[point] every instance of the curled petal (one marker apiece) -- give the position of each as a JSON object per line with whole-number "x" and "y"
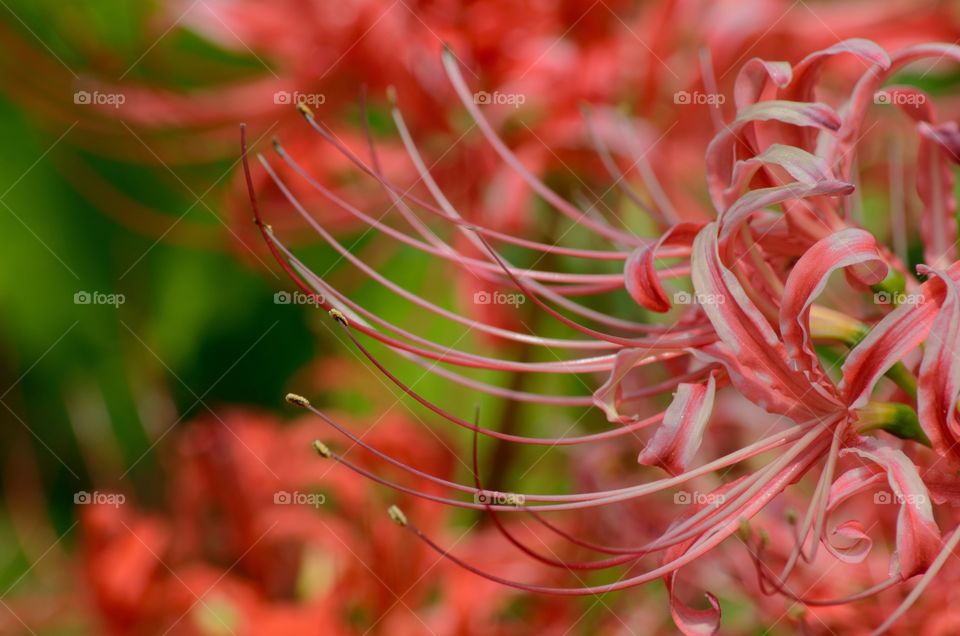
{"x": 808, "y": 70}
{"x": 799, "y": 164}
{"x": 617, "y": 395}
{"x": 939, "y": 381}
{"x": 918, "y": 536}
{"x": 858, "y": 542}
{"x": 720, "y": 152}
{"x": 754, "y": 75}
{"x": 756, "y": 200}
{"x": 690, "y": 621}
{"x": 678, "y": 438}
{"x": 640, "y": 274}
{"x": 809, "y": 276}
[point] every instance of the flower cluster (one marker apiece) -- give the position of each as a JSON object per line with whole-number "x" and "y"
{"x": 849, "y": 399}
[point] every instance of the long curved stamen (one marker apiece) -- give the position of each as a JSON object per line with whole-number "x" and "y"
{"x": 452, "y": 355}
{"x": 487, "y": 231}
{"x": 741, "y": 494}
{"x": 560, "y": 441}
{"x": 449, "y": 254}
{"x": 626, "y": 342}
{"x": 567, "y": 565}
{"x": 706, "y": 543}
{"x": 600, "y": 498}
{"x": 766, "y": 577}
{"x": 670, "y": 343}
{"x": 474, "y": 237}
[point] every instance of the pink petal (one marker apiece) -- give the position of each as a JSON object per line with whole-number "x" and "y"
{"x": 808, "y": 70}
{"x": 690, "y": 621}
{"x": 918, "y": 536}
{"x": 900, "y": 331}
{"x": 720, "y": 152}
{"x": 799, "y": 164}
{"x": 939, "y": 146}
{"x": 756, "y": 200}
{"x": 754, "y": 75}
{"x": 678, "y": 438}
{"x": 640, "y": 273}
{"x": 859, "y": 542}
{"x": 607, "y": 397}
{"x": 808, "y": 278}
{"x": 939, "y": 381}
{"x": 749, "y": 348}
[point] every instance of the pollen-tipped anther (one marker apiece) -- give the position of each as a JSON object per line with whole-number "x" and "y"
{"x": 322, "y": 449}
{"x": 297, "y": 400}
{"x": 337, "y": 315}
{"x": 397, "y": 515}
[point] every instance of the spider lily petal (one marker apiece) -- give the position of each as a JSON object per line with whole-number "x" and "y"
{"x": 939, "y": 380}
{"x": 749, "y": 349}
{"x": 720, "y": 152}
{"x": 846, "y": 249}
{"x": 640, "y": 274}
{"x": 858, "y": 542}
{"x": 935, "y": 185}
{"x": 918, "y": 536}
{"x": 754, "y": 75}
{"x": 678, "y": 438}
{"x": 898, "y": 333}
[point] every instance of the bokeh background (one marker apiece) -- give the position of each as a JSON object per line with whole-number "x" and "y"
{"x": 146, "y": 341}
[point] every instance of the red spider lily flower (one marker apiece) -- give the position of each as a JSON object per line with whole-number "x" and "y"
{"x": 781, "y": 177}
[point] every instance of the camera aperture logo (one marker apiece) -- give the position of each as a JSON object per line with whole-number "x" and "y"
{"x": 698, "y": 98}
{"x": 687, "y": 498}
{"x": 494, "y": 498}
{"x": 298, "y": 298}
{"x": 496, "y": 98}
{"x": 296, "y": 97}
{"x": 98, "y": 98}
{"x": 498, "y": 298}
{"x": 296, "y": 498}
{"x": 98, "y": 298}
{"x": 97, "y": 498}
